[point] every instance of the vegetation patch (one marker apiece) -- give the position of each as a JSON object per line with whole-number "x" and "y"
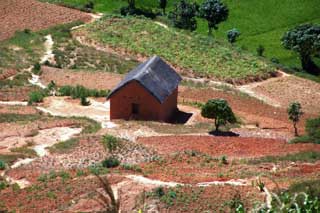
{"x": 202, "y": 55}
{"x": 13, "y": 118}
{"x": 301, "y": 156}
{"x": 64, "y": 146}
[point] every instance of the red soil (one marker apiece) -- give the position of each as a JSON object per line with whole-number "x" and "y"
{"x": 7, "y": 73}
{"x": 31, "y": 14}
{"x": 233, "y": 147}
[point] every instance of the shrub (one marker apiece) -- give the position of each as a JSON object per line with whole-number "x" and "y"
{"x": 36, "y": 97}
{"x": 84, "y": 101}
{"x": 110, "y": 162}
{"x": 183, "y": 15}
{"x": 27, "y": 31}
{"x": 88, "y": 7}
{"x": 295, "y": 112}
{"x": 260, "y": 50}
{"x": 232, "y": 35}
{"x": 36, "y": 68}
{"x": 3, "y": 185}
{"x": 2, "y": 165}
{"x": 159, "y": 192}
{"x": 224, "y": 159}
{"x": 313, "y": 129}
{"x": 127, "y": 10}
{"x": 110, "y": 142}
{"x": 80, "y": 91}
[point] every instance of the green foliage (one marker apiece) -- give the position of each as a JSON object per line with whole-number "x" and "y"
{"x": 163, "y": 5}
{"x": 3, "y": 185}
{"x": 311, "y": 187}
{"x": 260, "y": 50}
{"x": 313, "y": 129}
{"x": 80, "y": 91}
{"x": 2, "y": 165}
{"x": 219, "y": 110}
{"x": 215, "y": 12}
{"x": 43, "y": 178}
{"x": 169, "y": 197}
{"x": 98, "y": 169}
{"x": 232, "y": 35}
{"x": 110, "y": 162}
{"x": 159, "y": 191}
{"x": 36, "y": 96}
{"x": 294, "y": 113}
{"x": 224, "y": 159}
{"x": 183, "y": 15}
{"x": 300, "y": 156}
{"x": 110, "y": 143}
{"x": 84, "y": 101}
{"x": 36, "y": 68}
{"x": 52, "y": 86}
{"x": 64, "y": 146}
{"x": 305, "y": 40}
{"x": 12, "y": 118}
{"x": 132, "y": 167}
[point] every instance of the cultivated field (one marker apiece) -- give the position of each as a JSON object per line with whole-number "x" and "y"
{"x": 54, "y": 148}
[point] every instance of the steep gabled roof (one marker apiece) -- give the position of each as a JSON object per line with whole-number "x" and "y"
{"x": 155, "y": 75}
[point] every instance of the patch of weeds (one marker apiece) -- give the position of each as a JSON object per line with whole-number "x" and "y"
{"x": 15, "y": 187}
{"x": 2, "y": 165}
{"x": 110, "y": 143}
{"x": 80, "y": 173}
{"x": 308, "y": 156}
{"x": 64, "y": 176}
{"x": 37, "y": 96}
{"x": 43, "y": 178}
{"x": 98, "y": 169}
{"x": 13, "y": 118}
{"x": 132, "y": 167}
{"x": 51, "y": 195}
{"x": 10, "y": 159}
{"x": 36, "y": 69}
{"x": 3, "y": 185}
{"x": 311, "y": 187}
{"x": 89, "y": 125}
{"x": 25, "y": 151}
{"x": 224, "y": 160}
{"x": 79, "y": 91}
{"x": 110, "y": 162}
{"x": 64, "y": 146}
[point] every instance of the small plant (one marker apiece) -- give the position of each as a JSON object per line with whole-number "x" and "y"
{"x": 294, "y": 113}
{"x": 110, "y": 162}
{"x": 260, "y": 184}
{"x": 84, "y": 101}
{"x": 27, "y": 31}
{"x": 3, "y": 185}
{"x": 2, "y": 165}
{"x": 232, "y": 35}
{"x": 43, "y": 178}
{"x": 36, "y": 97}
{"x": 98, "y": 169}
{"x": 36, "y": 68}
{"x": 224, "y": 159}
{"x": 260, "y": 50}
{"x": 80, "y": 173}
{"x": 159, "y": 191}
{"x": 110, "y": 142}
{"x": 135, "y": 168}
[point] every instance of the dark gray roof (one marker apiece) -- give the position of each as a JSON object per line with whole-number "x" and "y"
{"x": 155, "y": 75}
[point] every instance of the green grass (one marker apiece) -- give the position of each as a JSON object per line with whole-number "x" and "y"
{"x": 64, "y": 146}
{"x": 21, "y": 51}
{"x": 301, "y": 156}
{"x": 13, "y": 118}
{"x": 206, "y": 57}
{"x": 10, "y": 159}
{"x": 260, "y": 22}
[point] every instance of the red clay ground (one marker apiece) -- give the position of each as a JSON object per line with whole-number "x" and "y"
{"x": 93, "y": 80}
{"x": 251, "y": 110}
{"x": 233, "y": 147}
{"x": 31, "y": 14}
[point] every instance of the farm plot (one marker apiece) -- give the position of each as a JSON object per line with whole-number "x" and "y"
{"x": 31, "y": 14}
{"x": 197, "y": 55}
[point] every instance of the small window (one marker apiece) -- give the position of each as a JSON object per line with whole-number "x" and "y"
{"x": 135, "y": 108}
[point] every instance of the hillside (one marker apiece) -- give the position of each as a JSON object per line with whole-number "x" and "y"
{"x": 193, "y": 54}
{"x": 260, "y": 22}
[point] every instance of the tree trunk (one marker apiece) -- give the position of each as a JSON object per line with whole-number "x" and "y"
{"x": 164, "y": 11}
{"x": 216, "y": 123}
{"x": 295, "y": 129}
{"x": 308, "y": 65}
{"x": 210, "y": 29}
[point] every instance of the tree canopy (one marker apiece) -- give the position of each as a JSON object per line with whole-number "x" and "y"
{"x": 305, "y": 40}
{"x": 219, "y": 110}
{"x": 294, "y": 113}
{"x": 215, "y": 12}
{"x": 183, "y": 15}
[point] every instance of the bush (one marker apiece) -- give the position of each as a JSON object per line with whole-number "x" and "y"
{"x": 183, "y": 15}
{"x": 84, "y": 101}
{"x": 3, "y": 185}
{"x": 88, "y": 7}
{"x": 80, "y": 91}
{"x": 2, "y": 165}
{"x": 125, "y": 11}
{"x": 260, "y": 50}
{"x": 159, "y": 192}
{"x": 36, "y": 68}
{"x": 36, "y": 97}
{"x": 110, "y": 142}
{"x": 110, "y": 162}
{"x": 313, "y": 129}
{"x": 232, "y": 35}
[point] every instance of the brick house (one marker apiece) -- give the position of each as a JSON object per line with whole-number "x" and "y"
{"x": 148, "y": 92}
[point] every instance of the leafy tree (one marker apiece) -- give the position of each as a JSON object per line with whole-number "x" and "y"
{"x": 232, "y": 35}
{"x": 215, "y": 12}
{"x": 183, "y": 15}
{"x": 260, "y": 50}
{"x": 305, "y": 40}
{"x": 219, "y": 110}
{"x": 163, "y": 5}
{"x": 295, "y": 112}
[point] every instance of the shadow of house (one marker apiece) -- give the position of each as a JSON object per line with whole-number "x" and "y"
{"x": 148, "y": 92}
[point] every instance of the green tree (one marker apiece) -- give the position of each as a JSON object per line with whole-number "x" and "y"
{"x": 232, "y": 35}
{"x": 163, "y": 5}
{"x": 294, "y": 113}
{"x": 183, "y": 15}
{"x": 219, "y": 110}
{"x": 215, "y": 12}
{"x": 305, "y": 40}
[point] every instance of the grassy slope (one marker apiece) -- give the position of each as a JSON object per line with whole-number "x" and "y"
{"x": 190, "y": 51}
{"x": 260, "y": 22}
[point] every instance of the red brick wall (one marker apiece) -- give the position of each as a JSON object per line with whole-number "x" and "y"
{"x": 149, "y": 108}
